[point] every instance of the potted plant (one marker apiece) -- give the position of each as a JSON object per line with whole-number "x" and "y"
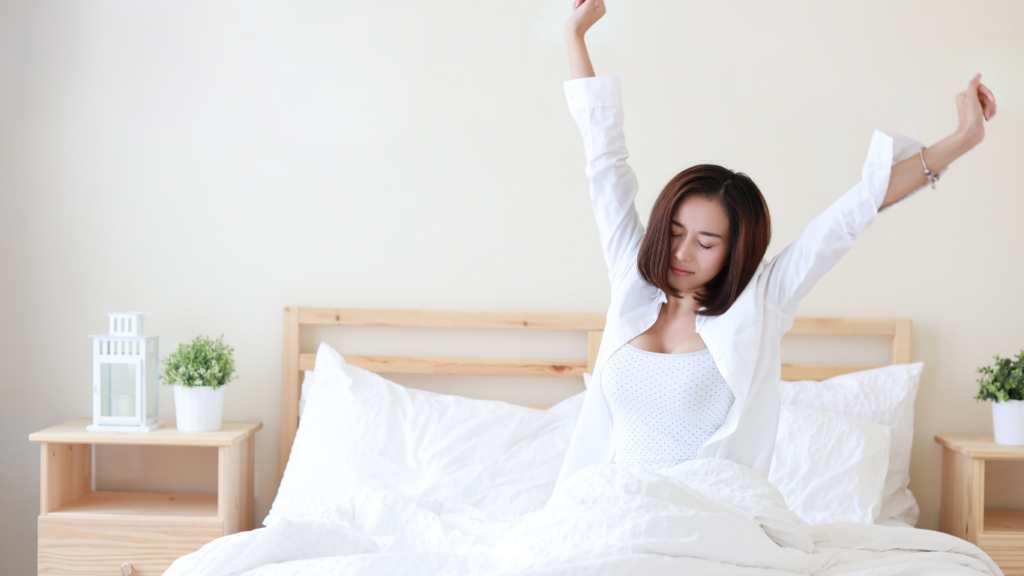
{"x": 198, "y": 371}
{"x": 1003, "y": 382}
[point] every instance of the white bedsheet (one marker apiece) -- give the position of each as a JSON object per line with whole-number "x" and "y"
{"x": 703, "y": 517}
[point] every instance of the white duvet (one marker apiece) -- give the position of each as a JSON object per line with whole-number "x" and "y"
{"x": 701, "y": 517}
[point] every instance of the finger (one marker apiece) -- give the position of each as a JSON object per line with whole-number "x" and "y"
{"x": 988, "y": 108}
{"x": 973, "y": 84}
{"x": 987, "y": 93}
{"x": 987, "y": 101}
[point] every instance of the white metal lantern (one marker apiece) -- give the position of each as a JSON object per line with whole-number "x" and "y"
{"x": 125, "y": 376}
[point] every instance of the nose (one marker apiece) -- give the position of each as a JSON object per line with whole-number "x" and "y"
{"x": 683, "y": 251}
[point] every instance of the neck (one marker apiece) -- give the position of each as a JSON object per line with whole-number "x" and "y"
{"x": 687, "y": 303}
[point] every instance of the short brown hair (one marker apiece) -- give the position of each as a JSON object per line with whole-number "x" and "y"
{"x": 750, "y": 231}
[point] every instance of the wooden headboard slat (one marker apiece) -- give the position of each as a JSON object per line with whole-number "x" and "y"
{"x": 443, "y": 319}
{"x": 294, "y": 361}
{"x": 793, "y": 372}
{"x": 902, "y": 341}
{"x": 525, "y": 367}
{"x": 846, "y": 326}
{"x": 471, "y": 366}
{"x": 593, "y": 347}
{"x": 290, "y": 387}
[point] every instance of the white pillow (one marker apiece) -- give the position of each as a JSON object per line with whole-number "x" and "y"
{"x": 884, "y": 396}
{"x": 360, "y": 433}
{"x": 307, "y": 383}
{"x": 830, "y": 468}
{"x": 570, "y": 407}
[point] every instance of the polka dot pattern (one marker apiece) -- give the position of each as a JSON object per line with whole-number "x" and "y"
{"x": 664, "y": 406}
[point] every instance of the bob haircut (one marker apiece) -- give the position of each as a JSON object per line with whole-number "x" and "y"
{"x": 750, "y": 231}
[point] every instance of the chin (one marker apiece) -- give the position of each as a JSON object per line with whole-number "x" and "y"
{"x": 685, "y": 286}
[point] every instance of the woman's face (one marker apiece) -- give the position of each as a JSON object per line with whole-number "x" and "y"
{"x": 700, "y": 243}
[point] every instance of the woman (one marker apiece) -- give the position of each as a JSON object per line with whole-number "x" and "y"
{"x": 689, "y": 365}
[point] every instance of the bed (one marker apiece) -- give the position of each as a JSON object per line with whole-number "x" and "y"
{"x": 378, "y": 478}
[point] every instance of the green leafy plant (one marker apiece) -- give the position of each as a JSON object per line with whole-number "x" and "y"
{"x": 201, "y": 362}
{"x": 1002, "y": 381}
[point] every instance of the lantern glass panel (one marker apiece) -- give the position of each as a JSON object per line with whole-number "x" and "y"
{"x": 151, "y": 391}
{"x": 117, "y": 389}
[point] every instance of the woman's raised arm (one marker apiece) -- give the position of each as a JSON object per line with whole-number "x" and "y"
{"x": 974, "y": 105}
{"x": 596, "y": 105}
{"x": 584, "y": 14}
{"x": 892, "y": 172}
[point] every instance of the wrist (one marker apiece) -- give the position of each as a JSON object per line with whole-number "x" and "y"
{"x": 966, "y": 138}
{"x": 574, "y": 35}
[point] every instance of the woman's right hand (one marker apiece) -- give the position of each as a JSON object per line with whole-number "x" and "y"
{"x": 584, "y": 14}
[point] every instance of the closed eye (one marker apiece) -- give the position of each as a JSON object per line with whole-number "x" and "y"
{"x": 698, "y": 242}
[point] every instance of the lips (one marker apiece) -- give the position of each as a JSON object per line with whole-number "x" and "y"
{"x": 678, "y": 271}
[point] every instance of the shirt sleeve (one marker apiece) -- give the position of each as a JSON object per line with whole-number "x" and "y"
{"x": 794, "y": 271}
{"x": 596, "y": 105}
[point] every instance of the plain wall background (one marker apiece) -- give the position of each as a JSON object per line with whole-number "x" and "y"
{"x": 212, "y": 162}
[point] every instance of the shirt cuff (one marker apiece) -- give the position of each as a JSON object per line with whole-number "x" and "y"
{"x": 886, "y": 150}
{"x": 593, "y": 92}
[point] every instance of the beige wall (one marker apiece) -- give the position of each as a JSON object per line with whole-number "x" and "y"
{"x": 212, "y": 162}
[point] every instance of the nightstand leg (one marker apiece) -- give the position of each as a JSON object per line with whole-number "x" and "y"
{"x": 249, "y": 484}
{"x": 235, "y": 485}
{"x": 66, "y": 474}
{"x": 963, "y": 495}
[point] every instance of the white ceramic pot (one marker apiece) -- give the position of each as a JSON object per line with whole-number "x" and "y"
{"x": 198, "y": 408}
{"x": 1008, "y": 421}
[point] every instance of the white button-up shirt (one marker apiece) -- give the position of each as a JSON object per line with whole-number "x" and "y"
{"x": 745, "y": 340}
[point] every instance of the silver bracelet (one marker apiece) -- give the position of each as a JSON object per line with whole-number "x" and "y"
{"x": 931, "y": 176}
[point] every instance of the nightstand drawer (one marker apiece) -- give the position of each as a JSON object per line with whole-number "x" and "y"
{"x": 76, "y": 545}
{"x": 1007, "y": 550}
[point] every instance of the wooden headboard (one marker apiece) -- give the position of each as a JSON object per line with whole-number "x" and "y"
{"x": 295, "y": 361}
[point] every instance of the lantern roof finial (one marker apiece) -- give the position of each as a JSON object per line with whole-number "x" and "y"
{"x": 126, "y": 323}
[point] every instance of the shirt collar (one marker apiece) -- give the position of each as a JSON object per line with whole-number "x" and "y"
{"x": 655, "y": 293}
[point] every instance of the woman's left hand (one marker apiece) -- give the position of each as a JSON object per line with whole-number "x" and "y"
{"x": 974, "y": 106}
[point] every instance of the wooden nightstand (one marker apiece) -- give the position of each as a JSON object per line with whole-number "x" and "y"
{"x": 87, "y": 532}
{"x": 1000, "y": 533}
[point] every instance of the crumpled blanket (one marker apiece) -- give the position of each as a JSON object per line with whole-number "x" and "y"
{"x": 701, "y": 517}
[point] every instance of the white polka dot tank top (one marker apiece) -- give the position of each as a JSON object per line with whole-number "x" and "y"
{"x": 664, "y": 406}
